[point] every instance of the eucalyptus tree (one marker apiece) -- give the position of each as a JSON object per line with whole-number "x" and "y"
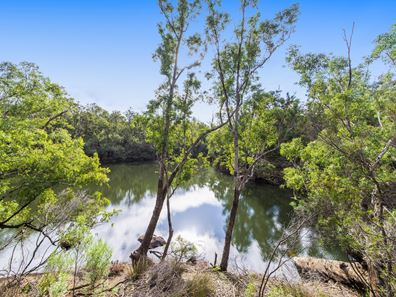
{"x": 346, "y": 176}
{"x": 171, "y": 129}
{"x": 236, "y": 66}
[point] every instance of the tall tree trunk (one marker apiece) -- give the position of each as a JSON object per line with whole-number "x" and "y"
{"x": 235, "y": 201}
{"x": 148, "y": 235}
{"x": 163, "y": 183}
{"x": 230, "y": 228}
{"x": 237, "y": 192}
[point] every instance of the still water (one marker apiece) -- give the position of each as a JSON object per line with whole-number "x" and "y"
{"x": 199, "y": 214}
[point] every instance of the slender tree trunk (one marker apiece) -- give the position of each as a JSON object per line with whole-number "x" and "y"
{"x": 170, "y": 227}
{"x": 237, "y": 191}
{"x": 235, "y": 201}
{"x": 387, "y": 263}
{"x": 163, "y": 183}
{"x": 159, "y": 202}
{"x": 230, "y": 228}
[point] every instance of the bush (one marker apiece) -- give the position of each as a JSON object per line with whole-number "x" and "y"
{"x": 98, "y": 261}
{"x": 183, "y": 250}
{"x": 250, "y": 290}
{"x": 55, "y": 282}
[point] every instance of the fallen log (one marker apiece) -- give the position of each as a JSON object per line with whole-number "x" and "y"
{"x": 349, "y": 274}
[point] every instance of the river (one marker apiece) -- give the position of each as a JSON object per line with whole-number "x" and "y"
{"x": 199, "y": 215}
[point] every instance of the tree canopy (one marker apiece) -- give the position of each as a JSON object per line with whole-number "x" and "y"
{"x": 43, "y": 170}
{"x": 346, "y": 176}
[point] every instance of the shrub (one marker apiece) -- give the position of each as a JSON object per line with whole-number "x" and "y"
{"x": 55, "y": 282}
{"x": 250, "y": 290}
{"x": 183, "y": 250}
{"x": 98, "y": 261}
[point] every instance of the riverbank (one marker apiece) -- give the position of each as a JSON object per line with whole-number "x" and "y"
{"x": 177, "y": 279}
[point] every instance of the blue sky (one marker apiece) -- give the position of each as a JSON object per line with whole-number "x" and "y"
{"x": 101, "y": 51}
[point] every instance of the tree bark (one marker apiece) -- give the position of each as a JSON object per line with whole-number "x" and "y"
{"x": 163, "y": 182}
{"x": 230, "y": 228}
{"x": 148, "y": 235}
{"x": 237, "y": 191}
{"x": 170, "y": 227}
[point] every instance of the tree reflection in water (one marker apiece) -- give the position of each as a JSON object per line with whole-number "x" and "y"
{"x": 199, "y": 212}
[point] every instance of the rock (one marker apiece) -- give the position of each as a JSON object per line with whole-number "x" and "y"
{"x": 337, "y": 271}
{"x": 193, "y": 260}
{"x": 156, "y": 241}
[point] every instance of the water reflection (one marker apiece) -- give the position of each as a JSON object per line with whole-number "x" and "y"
{"x": 199, "y": 213}
{"x": 131, "y": 183}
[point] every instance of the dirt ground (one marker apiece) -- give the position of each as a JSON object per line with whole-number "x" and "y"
{"x": 180, "y": 279}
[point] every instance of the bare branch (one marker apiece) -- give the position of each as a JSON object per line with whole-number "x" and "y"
{"x": 54, "y": 117}
{"x": 348, "y": 42}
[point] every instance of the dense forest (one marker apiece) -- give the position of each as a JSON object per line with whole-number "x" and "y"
{"x": 335, "y": 149}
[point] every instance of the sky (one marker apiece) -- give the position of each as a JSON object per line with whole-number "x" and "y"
{"x": 101, "y": 50}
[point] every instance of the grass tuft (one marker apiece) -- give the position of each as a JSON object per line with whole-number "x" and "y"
{"x": 199, "y": 286}
{"x": 293, "y": 290}
{"x": 139, "y": 268}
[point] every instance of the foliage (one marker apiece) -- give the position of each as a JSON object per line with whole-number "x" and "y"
{"x": 250, "y": 290}
{"x": 172, "y": 131}
{"x": 386, "y": 47}
{"x": 43, "y": 169}
{"x": 90, "y": 257}
{"x": 114, "y": 136}
{"x": 251, "y": 132}
{"x": 345, "y": 176}
{"x": 265, "y": 120}
{"x": 98, "y": 261}
{"x": 55, "y": 281}
{"x": 86, "y": 258}
{"x": 182, "y": 133}
{"x": 182, "y": 249}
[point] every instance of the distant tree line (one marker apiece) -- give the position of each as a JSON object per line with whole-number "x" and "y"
{"x": 122, "y": 137}
{"x": 114, "y": 136}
